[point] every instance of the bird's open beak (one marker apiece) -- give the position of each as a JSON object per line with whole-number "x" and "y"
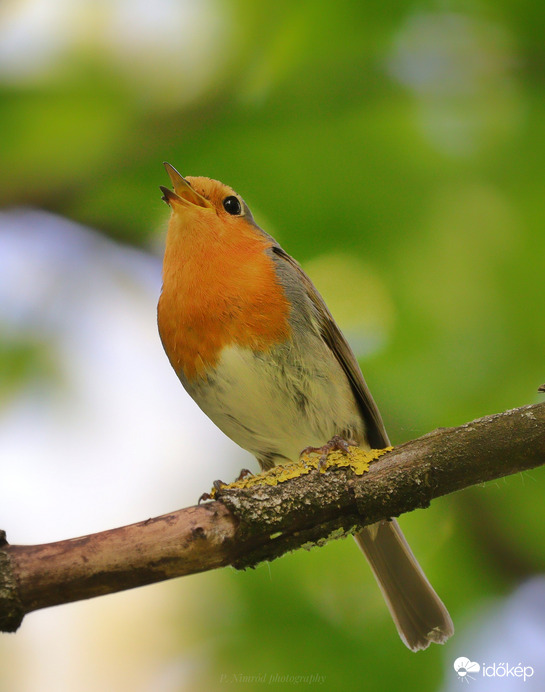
{"x": 183, "y": 193}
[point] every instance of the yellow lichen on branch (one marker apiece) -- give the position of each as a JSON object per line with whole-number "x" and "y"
{"x": 357, "y": 459}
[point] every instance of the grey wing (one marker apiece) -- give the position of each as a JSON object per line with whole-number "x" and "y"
{"x": 333, "y": 337}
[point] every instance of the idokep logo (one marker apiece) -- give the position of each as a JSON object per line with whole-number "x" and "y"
{"x": 468, "y": 670}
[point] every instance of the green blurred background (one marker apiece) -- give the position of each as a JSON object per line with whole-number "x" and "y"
{"x": 396, "y": 150}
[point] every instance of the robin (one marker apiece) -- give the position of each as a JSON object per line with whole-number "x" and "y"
{"x": 255, "y": 346}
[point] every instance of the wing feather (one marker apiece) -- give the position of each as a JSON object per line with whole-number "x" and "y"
{"x": 334, "y": 338}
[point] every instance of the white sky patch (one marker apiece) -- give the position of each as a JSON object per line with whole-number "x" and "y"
{"x": 33, "y": 35}
{"x": 169, "y": 48}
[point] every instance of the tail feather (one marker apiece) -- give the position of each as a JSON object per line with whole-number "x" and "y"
{"x": 418, "y": 612}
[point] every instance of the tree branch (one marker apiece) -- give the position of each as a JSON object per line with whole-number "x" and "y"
{"x": 262, "y": 522}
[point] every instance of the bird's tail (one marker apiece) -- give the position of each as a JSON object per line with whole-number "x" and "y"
{"x": 418, "y": 612}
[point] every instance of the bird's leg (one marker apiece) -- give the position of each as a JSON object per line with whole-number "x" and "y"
{"x": 243, "y": 474}
{"x": 336, "y": 443}
{"x": 218, "y": 485}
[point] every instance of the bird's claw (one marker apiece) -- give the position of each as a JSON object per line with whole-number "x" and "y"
{"x": 244, "y": 473}
{"x": 218, "y": 485}
{"x": 336, "y": 443}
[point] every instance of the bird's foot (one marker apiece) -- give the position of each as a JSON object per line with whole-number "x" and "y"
{"x": 336, "y": 443}
{"x": 218, "y": 485}
{"x": 244, "y": 473}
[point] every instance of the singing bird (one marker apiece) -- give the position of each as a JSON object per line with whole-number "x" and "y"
{"x": 255, "y": 346}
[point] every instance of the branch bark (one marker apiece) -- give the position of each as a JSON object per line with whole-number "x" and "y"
{"x": 262, "y": 522}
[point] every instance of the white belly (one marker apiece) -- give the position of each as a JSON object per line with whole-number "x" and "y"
{"x": 274, "y": 405}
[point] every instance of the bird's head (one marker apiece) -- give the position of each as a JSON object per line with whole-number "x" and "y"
{"x": 205, "y": 207}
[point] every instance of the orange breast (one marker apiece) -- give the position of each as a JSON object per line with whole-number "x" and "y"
{"x": 217, "y": 292}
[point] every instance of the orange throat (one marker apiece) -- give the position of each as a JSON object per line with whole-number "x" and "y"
{"x": 218, "y": 292}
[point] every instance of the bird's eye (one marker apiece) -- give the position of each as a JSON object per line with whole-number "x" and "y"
{"x": 232, "y": 206}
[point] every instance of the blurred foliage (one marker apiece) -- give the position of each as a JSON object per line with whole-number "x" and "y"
{"x": 23, "y": 362}
{"x": 403, "y": 139}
